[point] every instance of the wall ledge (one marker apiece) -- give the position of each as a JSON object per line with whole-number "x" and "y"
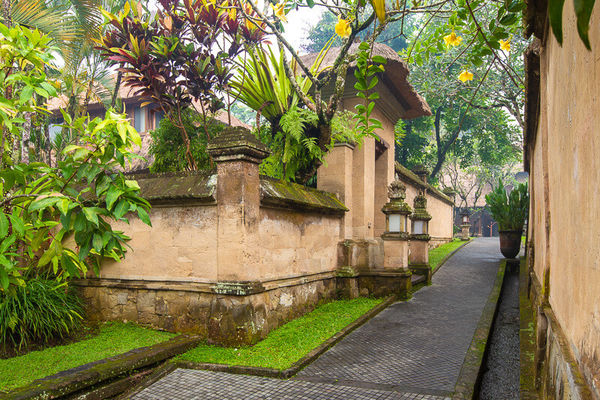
{"x": 275, "y": 193}
{"x": 176, "y": 188}
{"x": 406, "y": 174}
{"x": 231, "y": 288}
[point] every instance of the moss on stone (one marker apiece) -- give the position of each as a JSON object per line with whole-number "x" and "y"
{"x": 181, "y": 186}
{"x": 279, "y": 193}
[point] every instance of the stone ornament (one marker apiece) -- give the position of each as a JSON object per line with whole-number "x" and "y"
{"x": 396, "y": 191}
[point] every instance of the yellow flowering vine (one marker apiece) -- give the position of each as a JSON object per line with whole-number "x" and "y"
{"x": 452, "y": 39}
{"x": 505, "y": 45}
{"x": 342, "y": 28}
{"x": 465, "y": 75}
{"x": 279, "y": 11}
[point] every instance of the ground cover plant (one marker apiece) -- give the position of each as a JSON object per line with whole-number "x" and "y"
{"x": 436, "y": 256}
{"x": 290, "y": 342}
{"x": 38, "y": 310}
{"x": 113, "y": 338}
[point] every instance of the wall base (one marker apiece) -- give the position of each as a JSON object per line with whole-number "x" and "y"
{"x": 557, "y": 374}
{"x": 423, "y": 270}
{"x": 228, "y": 314}
{"x": 225, "y": 319}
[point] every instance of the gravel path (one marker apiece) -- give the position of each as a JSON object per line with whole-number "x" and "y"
{"x": 501, "y": 380}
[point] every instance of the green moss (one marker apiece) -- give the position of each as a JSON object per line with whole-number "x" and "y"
{"x": 113, "y": 339}
{"x": 437, "y": 255}
{"x": 278, "y": 192}
{"x": 290, "y": 342}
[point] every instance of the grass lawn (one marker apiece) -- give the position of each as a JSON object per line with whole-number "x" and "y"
{"x": 290, "y": 342}
{"x": 113, "y": 338}
{"x": 437, "y": 255}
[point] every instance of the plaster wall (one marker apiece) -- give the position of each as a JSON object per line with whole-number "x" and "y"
{"x": 180, "y": 245}
{"x": 565, "y": 170}
{"x": 441, "y": 228}
{"x": 440, "y": 225}
{"x": 296, "y": 244}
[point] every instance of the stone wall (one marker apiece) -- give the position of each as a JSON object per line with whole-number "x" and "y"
{"x": 562, "y": 148}
{"x": 232, "y": 255}
{"x": 208, "y": 310}
{"x": 439, "y": 206}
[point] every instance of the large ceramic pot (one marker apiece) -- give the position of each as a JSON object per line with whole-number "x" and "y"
{"x": 510, "y": 243}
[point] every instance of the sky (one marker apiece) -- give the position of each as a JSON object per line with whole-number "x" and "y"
{"x": 299, "y": 22}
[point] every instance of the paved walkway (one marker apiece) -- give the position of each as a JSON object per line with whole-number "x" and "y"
{"x": 411, "y": 350}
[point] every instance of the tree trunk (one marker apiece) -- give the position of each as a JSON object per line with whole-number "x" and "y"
{"x": 113, "y": 101}
{"x": 48, "y": 143}
{"x": 26, "y": 138}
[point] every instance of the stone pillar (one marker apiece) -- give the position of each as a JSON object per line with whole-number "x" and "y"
{"x": 363, "y": 190}
{"x": 465, "y": 226}
{"x": 237, "y": 153}
{"x": 419, "y": 238}
{"x": 395, "y": 239}
{"x": 421, "y": 171}
{"x": 335, "y": 176}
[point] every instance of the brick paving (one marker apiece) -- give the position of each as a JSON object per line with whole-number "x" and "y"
{"x": 411, "y": 350}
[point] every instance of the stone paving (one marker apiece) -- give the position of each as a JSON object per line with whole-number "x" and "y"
{"x": 411, "y": 350}
{"x": 208, "y": 385}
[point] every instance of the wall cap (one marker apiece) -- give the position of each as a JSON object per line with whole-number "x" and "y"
{"x": 407, "y": 174}
{"x": 280, "y": 194}
{"x": 176, "y": 187}
{"x": 237, "y": 143}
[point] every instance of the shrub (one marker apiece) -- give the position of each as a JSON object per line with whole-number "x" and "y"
{"x": 168, "y": 147}
{"x": 38, "y": 311}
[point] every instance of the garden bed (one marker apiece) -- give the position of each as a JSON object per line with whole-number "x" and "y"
{"x": 287, "y": 345}
{"x": 112, "y": 339}
{"x": 438, "y": 255}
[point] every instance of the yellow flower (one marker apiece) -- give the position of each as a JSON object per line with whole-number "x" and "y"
{"x": 342, "y": 28}
{"x": 279, "y": 11}
{"x": 505, "y": 45}
{"x": 465, "y": 76}
{"x": 452, "y": 39}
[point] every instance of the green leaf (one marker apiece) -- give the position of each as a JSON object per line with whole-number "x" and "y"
{"x": 310, "y": 3}
{"x": 143, "y": 215}
{"x": 97, "y": 242}
{"x": 379, "y": 60}
{"x": 90, "y": 215}
{"x": 121, "y": 209}
{"x": 4, "y": 281}
{"x": 112, "y": 196}
{"x": 555, "y": 12}
{"x": 4, "y": 225}
{"x": 46, "y": 257}
{"x": 44, "y": 202}
{"x": 18, "y": 225}
{"x": 80, "y": 222}
{"x": 583, "y": 11}
{"x": 509, "y": 19}
{"x": 26, "y": 94}
{"x": 69, "y": 265}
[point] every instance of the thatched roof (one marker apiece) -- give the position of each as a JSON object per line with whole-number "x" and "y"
{"x": 395, "y": 77}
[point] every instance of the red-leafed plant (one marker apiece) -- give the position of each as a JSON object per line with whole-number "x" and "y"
{"x": 182, "y": 56}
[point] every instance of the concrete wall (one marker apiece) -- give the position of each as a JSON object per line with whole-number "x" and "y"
{"x": 564, "y": 166}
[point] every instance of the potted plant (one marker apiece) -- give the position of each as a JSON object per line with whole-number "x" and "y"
{"x": 509, "y": 210}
